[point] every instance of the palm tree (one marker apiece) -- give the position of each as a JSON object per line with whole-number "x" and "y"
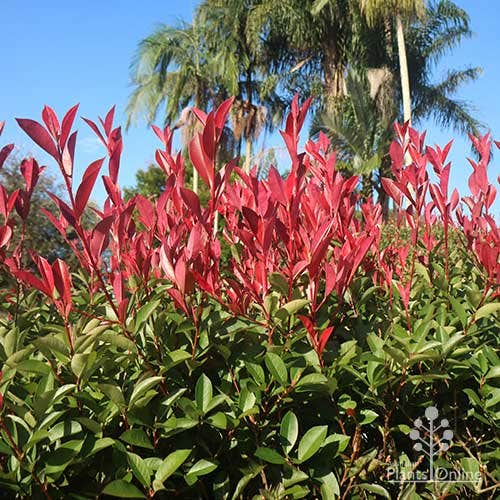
{"x": 360, "y": 128}
{"x": 443, "y": 28}
{"x": 228, "y": 26}
{"x": 308, "y": 51}
{"x": 375, "y": 10}
{"x": 172, "y": 69}
{"x": 431, "y": 36}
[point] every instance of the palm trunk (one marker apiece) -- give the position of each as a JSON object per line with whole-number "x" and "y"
{"x": 403, "y": 69}
{"x": 248, "y": 155}
{"x": 366, "y": 187}
{"x": 335, "y": 85}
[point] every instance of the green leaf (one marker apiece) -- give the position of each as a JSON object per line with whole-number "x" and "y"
{"x": 292, "y": 475}
{"x": 78, "y": 364}
{"x": 368, "y": 417}
{"x": 277, "y": 368}
{"x": 396, "y": 354}
{"x": 291, "y": 308}
{"x": 253, "y": 470}
{"x": 472, "y": 468}
{"x": 311, "y": 442}
{"x": 118, "y": 340}
{"x": 33, "y": 366}
{"x": 142, "y": 387}
{"x": 121, "y": 489}
{"x": 289, "y": 431}
{"x": 422, "y": 270}
{"x": 246, "y": 400}
{"x": 279, "y": 282}
{"x": 312, "y": 382}
{"x": 202, "y": 468}
{"x": 64, "y": 429}
{"x": 269, "y": 455}
{"x": 329, "y": 487}
{"x": 375, "y": 488}
{"x": 256, "y": 371}
{"x": 487, "y": 310}
{"x": 494, "y": 372}
{"x": 203, "y": 392}
{"x": 137, "y": 437}
{"x": 144, "y": 313}
{"x": 340, "y": 439}
{"x": 99, "y": 445}
{"x": 114, "y": 393}
{"x": 140, "y": 469}
{"x": 176, "y": 357}
{"x": 58, "y": 460}
{"x": 170, "y": 465}
{"x": 218, "y": 420}
{"x": 51, "y": 343}
{"x": 216, "y": 401}
{"x": 459, "y": 310}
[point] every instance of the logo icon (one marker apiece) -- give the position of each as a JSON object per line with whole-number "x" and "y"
{"x": 428, "y": 437}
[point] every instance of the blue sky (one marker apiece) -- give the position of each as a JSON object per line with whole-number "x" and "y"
{"x": 59, "y": 53}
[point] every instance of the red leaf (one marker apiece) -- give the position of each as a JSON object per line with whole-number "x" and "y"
{"x": 5, "y": 152}
{"x": 116, "y": 145}
{"x": 159, "y": 132}
{"x": 196, "y": 242}
{"x": 178, "y": 299}
{"x": 146, "y": 211}
{"x": 122, "y": 310}
{"x": 67, "y": 123}
{"x": 100, "y": 237}
{"x": 51, "y": 121}
{"x": 180, "y": 274}
{"x": 2, "y": 124}
{"x": 201, "y": 115}
{"x": 309, "y": 326}
{"x": 62, "y": 282}
{"x": 221, "y": 114}
{"x": 32, "y": 280}
{"x": 96, "y": 130}
{"x": 66, "y": 211}
{"x": 47, "y": 275}
{"x": 108, "y": 122}
{"x": 275, "y": 182}
{"x": 192, "y": 201}
{"x": 68, "y": 155}
{"x": 392, "y": 189}
{"x": 437, "y": 197}
{"x": 39, "y": 135}
{"x": 200, "y": 160}
{"x": 323, "y": 339}
{"x": 5, "y": 235}
{"x": 85, "y": 188}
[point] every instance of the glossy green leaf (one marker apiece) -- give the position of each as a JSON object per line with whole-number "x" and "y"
{"x": 122, "y": 489}
{"x": 203, "y": 392}
{"x": 171, "y": 464}
{"x": 289, "y": 431}
{"x": 311, "y": 442}
{"x": 141, "y": 387}
{"x": 269, "y": 455}
{"x": 277, "y": 368}
{"x": 144, "y": 313}
{"x": 137, "y": 437}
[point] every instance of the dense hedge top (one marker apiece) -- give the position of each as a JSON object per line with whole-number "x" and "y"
{"x": 277, "y": 342}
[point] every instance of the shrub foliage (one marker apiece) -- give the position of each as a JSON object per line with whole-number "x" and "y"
{"x": 294, "y": 367}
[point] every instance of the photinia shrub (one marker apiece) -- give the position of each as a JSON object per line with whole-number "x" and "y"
{"x": 293, "y": 368}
